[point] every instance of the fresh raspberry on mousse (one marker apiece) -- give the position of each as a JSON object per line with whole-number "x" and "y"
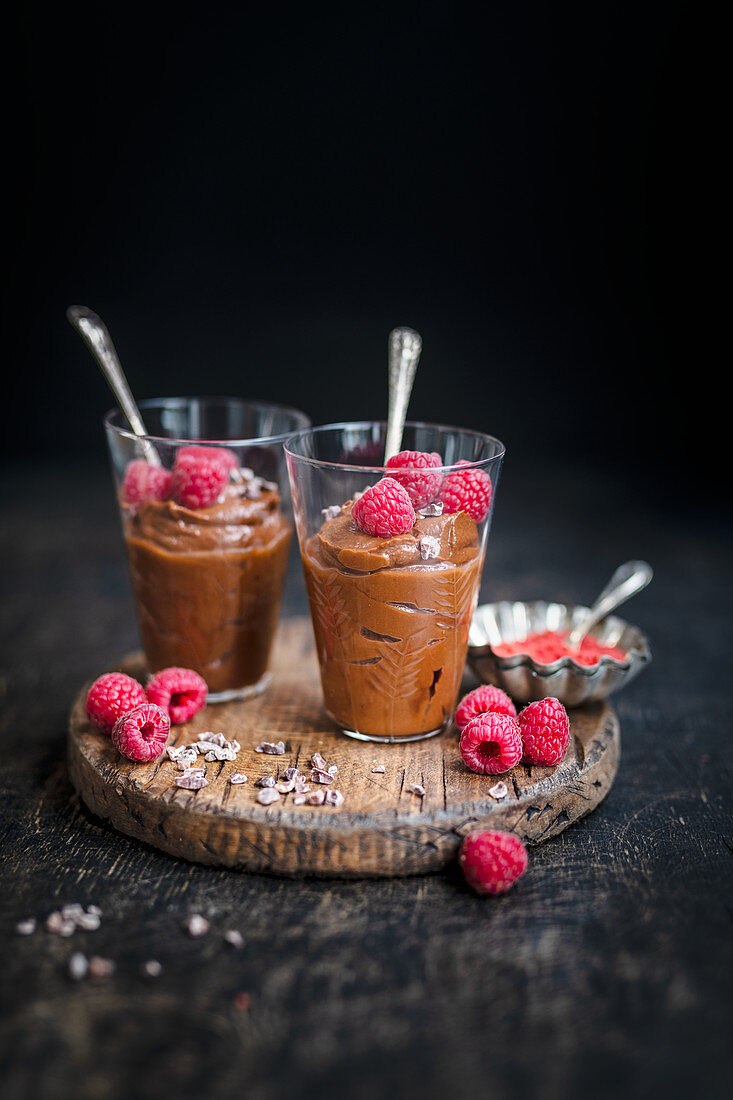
{"x": 492, "y": 861}
{"x": 142, "y": 733}
{"x": 415, "y": 471}
{"x": 199, "y": 475}
{"x": 467, "y": 491}
{"x": 111, "y": 696}
{"x": 491, "y": 744}
{"x": 545, "y": 730}
{"x": 179, "y": 691}
{"x": 385, "y": 509}
{"x": 482, "y": 699}
{"x": 143, "y": 481}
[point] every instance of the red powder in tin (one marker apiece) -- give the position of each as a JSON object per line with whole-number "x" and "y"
{"x": 549, "y": 645}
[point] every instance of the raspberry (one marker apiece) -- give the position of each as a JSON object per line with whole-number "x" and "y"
{"x": 545, "y": 731}
{"x": 385, "y": 510}
{"x": 143, "y": 482}
{"x": 141, "y": 734}
{"x": 414, "y": 471}
{"x": 199, "y": 475}
{"x": 466, "y": 491}
{"x": 492, "y": 862}
{"x": 483, "y": 699}
{"x": 179, "y": 691}
{"x": 491, "y": 744}
{"x": 111, "y": 696}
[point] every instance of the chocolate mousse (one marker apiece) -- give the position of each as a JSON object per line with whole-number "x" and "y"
{"x": 208, "y": 581}
{"x": 391, "y": 619}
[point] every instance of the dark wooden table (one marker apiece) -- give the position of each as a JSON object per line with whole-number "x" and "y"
{"x": 606, "y": 972}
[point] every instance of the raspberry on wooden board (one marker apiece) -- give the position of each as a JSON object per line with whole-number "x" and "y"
{"x": 491, "y": 744}
{"x": 111, "y": 696}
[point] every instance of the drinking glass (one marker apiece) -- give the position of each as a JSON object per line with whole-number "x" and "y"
{"x": 391, "y": 615}
{"x": 207, "y": 523}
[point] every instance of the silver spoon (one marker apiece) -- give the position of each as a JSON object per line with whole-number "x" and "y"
{"x": 94, "y": 332}
{"x": 628, "y": 579}
{"x": 405, "y": 346}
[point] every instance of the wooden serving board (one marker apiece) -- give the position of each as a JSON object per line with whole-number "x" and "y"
{"x": 380, "y": 830}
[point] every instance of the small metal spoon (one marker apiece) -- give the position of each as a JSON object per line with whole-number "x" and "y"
{"x": 95, "y": 335}
{"x": 405, "y": 346}
{"x": 628, "y": 579}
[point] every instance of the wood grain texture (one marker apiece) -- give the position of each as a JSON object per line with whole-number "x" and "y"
{"x": 382, "y": 829}
{"x": 604, "y": 973}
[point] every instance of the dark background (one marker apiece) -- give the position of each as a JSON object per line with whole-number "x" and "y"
{"x": 253, "y": 196}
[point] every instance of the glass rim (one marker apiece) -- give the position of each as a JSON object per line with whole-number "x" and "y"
{"x": 363, "y": 424}
{"x": 157, "y": 402}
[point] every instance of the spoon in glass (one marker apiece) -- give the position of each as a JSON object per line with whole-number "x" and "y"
{"x": 405, "y": 346}
{"x": 95, "y": 335}
{"x": 628, "y": 579}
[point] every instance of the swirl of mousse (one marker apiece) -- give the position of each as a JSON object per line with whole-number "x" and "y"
{"x": 236, "y": 520}
{"x": 208, "y": 581}
{"x": 391, "y": 618}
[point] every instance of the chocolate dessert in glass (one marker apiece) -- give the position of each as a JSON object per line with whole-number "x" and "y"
{"x": 207, "y": 524}
{"x": 392, "y": 557}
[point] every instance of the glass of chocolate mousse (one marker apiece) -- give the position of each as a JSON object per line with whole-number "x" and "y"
{"x": 392, "y": 556}
{"x": 207, "y": 523}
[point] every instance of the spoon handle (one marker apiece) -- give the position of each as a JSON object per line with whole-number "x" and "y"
{"x": 405, "y": 346}
{"x": 628, "y": 579}
{"x": 94, "y": 333}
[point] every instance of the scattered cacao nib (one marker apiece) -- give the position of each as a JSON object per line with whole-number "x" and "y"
{"x": 238, "y": 778}
{"x": 26, "y": 927}
{"x": 267, "y": 796}
{"x": 208, "y": 746}
{"x": 191, "y": 781}
{"x": 378, "y": 769}
{"x": 429, "y": 547}
{"x": 175, "y": 751}
{"x": 272, "y": 749}
{"x": 301, "y": 784}
{"x": 415, "y": 788}
{"x": 87, "y": 922}
{"x": 196, "y": 925}
{"x": 334, "y": 798}
{"x": 319, "y": 776}
{"x": 64, "y": 922}
{"x": 152, "y": 968}
{"x": 213, "y": 738}
{"x": 78, "y": 966}
{"x": 234, "y": 938}
{"x": 316, "y": 798}
{"x": 285, "y": 786}
{"x": 499, "y": 790}
{"x": 317, "y": 761}
{"x": 431, "y": 510}
{"x": 100, "y": 968}
{"x": 186, "y": 758}
{"x": 55, "y": 923}
{"x": 299, "y": 798}
{"x": 333, "y": 770}
{"x": 265, "y": 781}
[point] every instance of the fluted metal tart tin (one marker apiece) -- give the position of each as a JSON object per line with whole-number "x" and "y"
{"x": 526, "y": 679}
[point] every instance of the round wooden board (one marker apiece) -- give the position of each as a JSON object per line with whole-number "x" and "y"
{"x": 380, "y": 830}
